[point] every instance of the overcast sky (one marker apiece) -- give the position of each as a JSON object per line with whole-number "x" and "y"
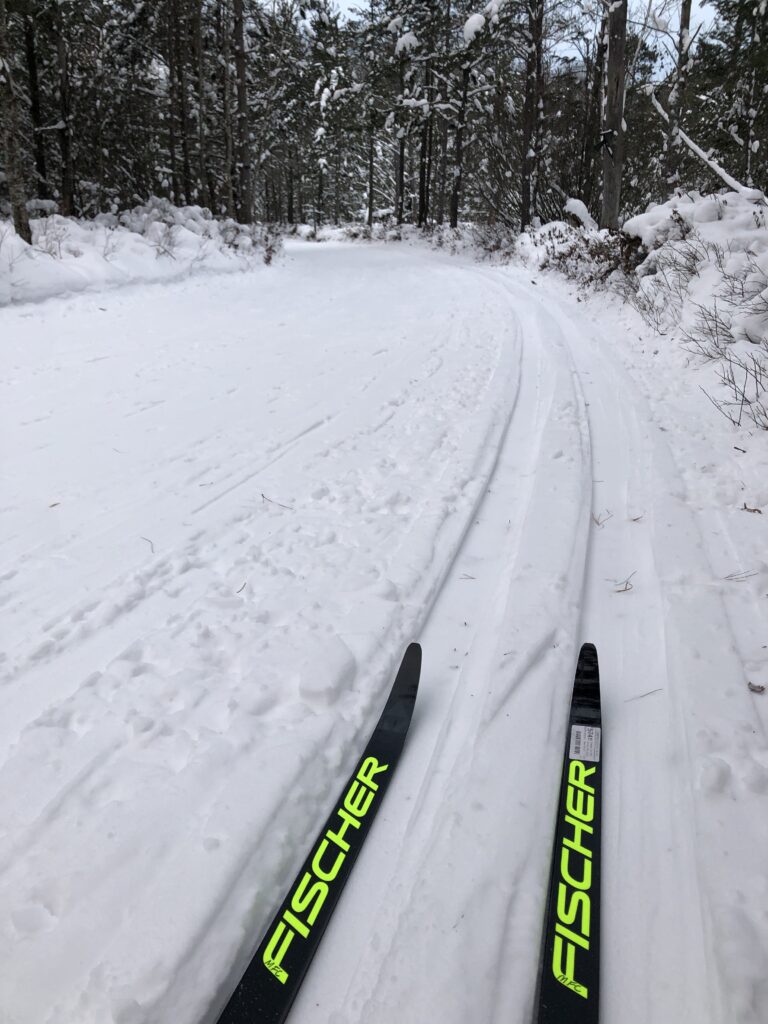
{"x": 700, "y": 12}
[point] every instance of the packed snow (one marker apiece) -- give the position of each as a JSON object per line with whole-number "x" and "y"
{"x": 228, "y": 504}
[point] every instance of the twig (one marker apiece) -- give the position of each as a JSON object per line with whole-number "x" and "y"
{"x": 279, "y": 505}
{"x": 641, "y": 695}
{"x": 745, "y": 508}
{"x": 740, "y": 575}
{"x": 242, "y": 588}
{"x": 624, "y": 586}
{"x": 602, "y": 518}
{"x": 151, "y": 545}
{"x": 756, "y": 687}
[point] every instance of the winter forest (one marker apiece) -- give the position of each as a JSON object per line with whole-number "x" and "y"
{"x": 426, "y": 112}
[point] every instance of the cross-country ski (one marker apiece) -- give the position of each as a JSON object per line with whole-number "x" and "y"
{"x": 569, "y": 972}
{"x": 270, "y": 983}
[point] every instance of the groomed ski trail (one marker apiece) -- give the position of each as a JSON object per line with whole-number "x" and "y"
{"x": 446, "y": 908}
{"x": 462, "y": 450}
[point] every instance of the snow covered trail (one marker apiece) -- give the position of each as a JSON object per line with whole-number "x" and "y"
{"x": 227, "y": 505}
{"x": 443, "y": 914}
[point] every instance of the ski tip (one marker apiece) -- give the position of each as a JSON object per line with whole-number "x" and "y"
{"x": 410, "y": 666}
{"x": 397, "y": 712}
{"x": 586, "y": 686}
{"x": 587, "y": 664}
{"x": 413, "y": 651}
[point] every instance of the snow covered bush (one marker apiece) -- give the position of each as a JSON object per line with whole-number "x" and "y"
{"x": 704, "y": 277}
{"x": 586, "y": 255}
{"x": 695, "y": 267}
{"x": 152, "y": 242}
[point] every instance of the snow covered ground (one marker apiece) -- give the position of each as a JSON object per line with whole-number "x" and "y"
{"x": 229, "y": 502}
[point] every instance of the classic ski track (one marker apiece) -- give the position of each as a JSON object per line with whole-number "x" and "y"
{"x": 661, "y": 923}
{"x": 659, "y": 750}
{"x": 422, "y": 602}
{"x": 618, "y": 447}
{"x": 493, "y": 710}
{"x": 467, "y": 704}
{"x": 90, "y": 769}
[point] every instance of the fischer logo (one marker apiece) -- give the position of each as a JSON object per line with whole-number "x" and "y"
{"x": 573, "y": 903}
{"x": 313, "y": 887}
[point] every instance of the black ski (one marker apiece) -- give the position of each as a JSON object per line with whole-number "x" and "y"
{"x": 271, "y": 981}
{"x": 569, "y": 973}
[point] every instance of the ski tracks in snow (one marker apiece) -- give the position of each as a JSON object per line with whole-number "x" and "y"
{"x": 459, "y": 459}
{"x": 585, "y": 533}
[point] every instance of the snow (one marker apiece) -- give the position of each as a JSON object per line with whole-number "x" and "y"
{"x": 474, "y": 24}
{"x": 406, "y": 43}
{"x": 154, "y": 242}
{"x": 732, "y": 217}
{"x": 228, "y": 506}
{"x": 707, "y": 270}
{"x": 578, "y": 209}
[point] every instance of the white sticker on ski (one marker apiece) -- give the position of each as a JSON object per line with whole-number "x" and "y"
{"x": 585, "y": 743}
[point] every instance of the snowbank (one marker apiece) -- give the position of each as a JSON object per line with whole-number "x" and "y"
{"x": 705, "y": 278}
{"x": 153, "y": 242}
{"x": 696, "y": 267}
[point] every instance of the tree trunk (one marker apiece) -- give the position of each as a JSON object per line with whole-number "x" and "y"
{"x": 613, "y": 119}
{"x": 531, "y": 112}
{"x": 424, "y": 155}
{"x": 320, "y": 198}
{"x": 400, "y": 169}
{"x": 592, "y": 124}
{"x": 400, "y": 193}
{"x": 173, "y": 106}
{"x": 67, "y": 204}
{"x": 229, "y": 146}
{"x": 677, "y": 95}
{"x": 458, "y": 169}
{"x": 442, "y": 174}
{"x": 10, "y": 135}
{"x": 336, "y": 184}
{"x": 180, "y": 40}
{"x": 30, "y": 45}
{"x": 206, "y": 178}
{"x": 422, "y": 213}
{"x": 428, "y": 195}
{"x": 244, "y": 192}
{"x": 371, "y": 153}
{"x": 291, "y": 214}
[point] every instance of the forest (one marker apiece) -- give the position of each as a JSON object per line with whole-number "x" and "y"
{"x": 427, "y": 112}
